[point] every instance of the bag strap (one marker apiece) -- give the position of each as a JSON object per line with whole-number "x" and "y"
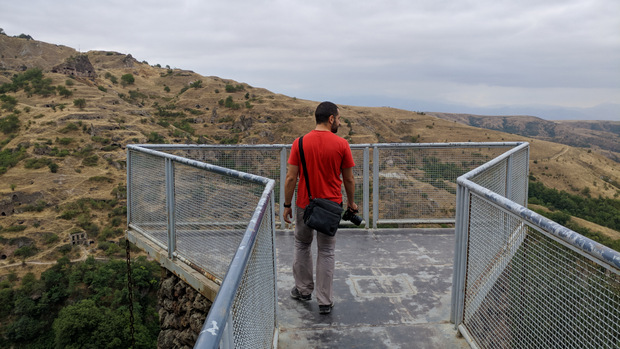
{"x": 303, "y": 163}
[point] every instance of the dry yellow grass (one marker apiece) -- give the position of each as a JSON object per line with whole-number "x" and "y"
{"x": 273, "y": 118}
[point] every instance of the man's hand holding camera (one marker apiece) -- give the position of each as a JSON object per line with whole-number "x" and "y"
{"x": 350, "y": 214}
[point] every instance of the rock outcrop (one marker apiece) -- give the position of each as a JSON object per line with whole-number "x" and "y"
{"x": 182, "y": 312}
{"x": 78, "y": 66}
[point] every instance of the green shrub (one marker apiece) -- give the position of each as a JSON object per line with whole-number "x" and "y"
{"x": 155, "y": 137}
{"x": 101, "y": 140}
{"x": 14, "y": 228}
{"x": 69, "y": 214}
{"x": 80, "y": 103}
{"x": 10, "y": 158}
{"x": 59, "y": 152}
{"x": 9, "y": 124}
{"x": 36, "y": 163}
{"x": 64, "y": 249}
{"x": 64, "y": 141}
{"x": 69, "y": 127}
{"x": 229, "y": 103}
{"x": 64, "y": 92}
{"x": 127, "y": 79}
{"x": 84, "y": 152}
{"x": 110, "y": 147}
{"x": 37, "y": 206}
{"x": 53, "y": 167}
{"x": 8, "y": 102}
{"x": 116, "y": 221}
{"x": 233, "y": 140}
{"x": 237, "y": 88}
{"x": 185, "y": 126}
{"x": 50, "y": 238}
{"x": 101, "y": 179}
{"x": 25, "y": 251}
{"x": 90, "y": 161}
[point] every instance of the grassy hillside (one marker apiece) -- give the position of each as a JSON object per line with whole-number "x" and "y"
{"x": 63, "y": 134}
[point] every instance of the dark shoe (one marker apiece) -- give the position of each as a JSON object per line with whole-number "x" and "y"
{"x": 326, "y": 309}
{"x": 295, "y": 294}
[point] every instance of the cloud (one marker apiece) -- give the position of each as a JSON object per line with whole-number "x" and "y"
{"x": 470, "y": 52}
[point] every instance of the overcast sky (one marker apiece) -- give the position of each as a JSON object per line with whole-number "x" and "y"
{"x": 535, "y": 57}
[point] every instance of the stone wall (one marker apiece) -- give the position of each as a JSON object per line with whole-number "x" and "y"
{"x": 182, "y": 311}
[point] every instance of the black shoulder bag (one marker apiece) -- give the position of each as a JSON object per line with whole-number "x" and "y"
{"x": 322, "y": 215}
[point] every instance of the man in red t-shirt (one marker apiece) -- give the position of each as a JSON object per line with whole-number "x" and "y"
{"x": 327, "y": 157}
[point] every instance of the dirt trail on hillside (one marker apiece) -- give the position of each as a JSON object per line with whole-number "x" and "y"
{"x": 562, "y": 152}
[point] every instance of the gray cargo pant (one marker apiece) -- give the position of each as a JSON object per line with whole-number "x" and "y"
{"x": 302, "y": 261}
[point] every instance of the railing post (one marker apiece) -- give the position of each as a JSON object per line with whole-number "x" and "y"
{"x": 527, "y": 177}
{"x": 129, "y": 185}
{"x": 272, "y": 205}
{"x": 461, "y": 231}
{"x": 283, "y": 162}
{"x": 366, "y": 185}
{"x": 375, "y": 186}
{"x": 170, "y": 205}
{"x": 509, "y": 169}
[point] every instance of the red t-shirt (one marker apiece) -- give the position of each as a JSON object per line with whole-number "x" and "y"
{"x": 326, "y": 155}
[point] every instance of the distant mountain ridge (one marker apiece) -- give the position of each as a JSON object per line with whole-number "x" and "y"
{"x": 602, "y": 135}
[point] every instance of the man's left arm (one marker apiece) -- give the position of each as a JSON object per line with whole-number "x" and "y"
{"x": 289, "y": 189}
{"x": 349, "y": 187}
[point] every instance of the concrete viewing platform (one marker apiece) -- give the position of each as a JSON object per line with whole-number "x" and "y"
{"x": 392, "y": 289}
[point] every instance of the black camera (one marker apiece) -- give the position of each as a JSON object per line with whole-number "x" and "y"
{"x": 350, "y": 215}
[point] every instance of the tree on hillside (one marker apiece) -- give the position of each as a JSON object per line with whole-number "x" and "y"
{"x": 127, "y": 79}
{"x": 64, "y": 92}
{"x": 80, "y": 103}
{"x": 86, "y": 324}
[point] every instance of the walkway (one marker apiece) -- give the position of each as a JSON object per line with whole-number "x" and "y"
{"x": 392, "y": 289}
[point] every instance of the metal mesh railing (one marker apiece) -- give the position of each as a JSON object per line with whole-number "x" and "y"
{"x": 243, "y": 314}
{"x": 218, "y": 221}
{"x": 520, "y": 280}
{"x": 405, "y": 183}
{"x": 253, "y": 327}
{"x": 416, "y": 183}
{"x": 523, "y": 281}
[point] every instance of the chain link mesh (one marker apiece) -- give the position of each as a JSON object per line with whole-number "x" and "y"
{"x": 493, "y": 178}
{"x": 520, "y": 168}
{"x": 212, "y": 214}
{"x": 148, "y": 190}
{"x": 420, "y": 182}
{"x": 253, "y": 310}
{"x": 527, "y": 290}
{"x": 358, "y": 174}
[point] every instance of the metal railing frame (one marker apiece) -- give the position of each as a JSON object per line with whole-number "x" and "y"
{"x": 377, "y": 149}
{"x": 219, "y": 315}
{"x": 598, "y": 253}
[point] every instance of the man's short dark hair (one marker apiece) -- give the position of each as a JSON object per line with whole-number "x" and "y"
{"x": 324, "y": 111}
